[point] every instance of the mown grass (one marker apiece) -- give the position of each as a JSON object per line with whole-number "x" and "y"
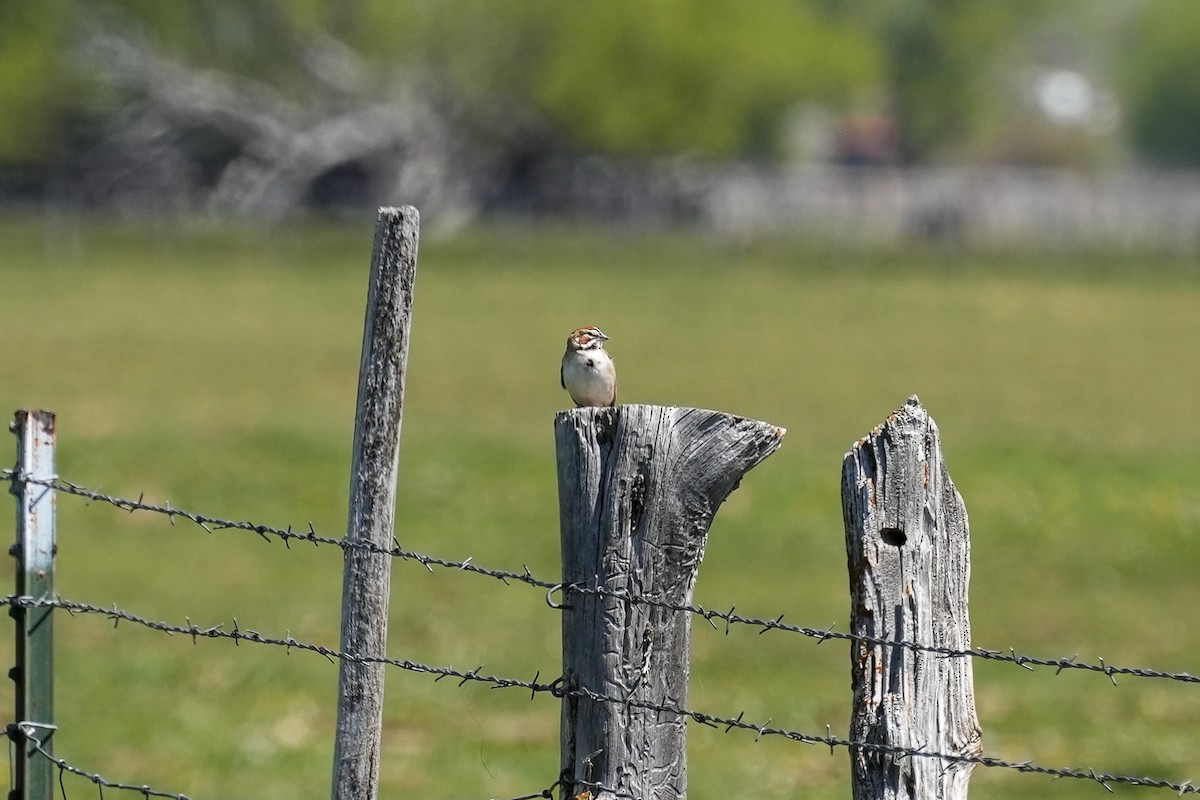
{"x": 217, "y": 369}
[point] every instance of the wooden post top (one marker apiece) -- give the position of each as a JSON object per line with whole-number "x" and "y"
{"x": 639, "y": 486}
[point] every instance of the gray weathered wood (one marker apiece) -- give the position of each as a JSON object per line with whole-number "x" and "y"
{"x": 366, "y": 577}
{"x": 909, "y": 556}
{"x": 638, "y": 487}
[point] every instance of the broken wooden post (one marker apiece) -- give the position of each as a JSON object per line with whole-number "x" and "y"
{"x": 367, "y": 571}
{"x": 909, "y": 555}
{"x": 638, "y": 487}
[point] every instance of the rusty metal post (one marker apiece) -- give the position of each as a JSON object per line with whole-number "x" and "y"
{"x": 33, "y": 773}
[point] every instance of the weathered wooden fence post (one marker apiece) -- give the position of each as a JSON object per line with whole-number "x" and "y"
{"x": 909, "y": 556}
{"x": 33, "y": 777}
{"x": 367, "y": 575}
{"x": 638, "y": 487}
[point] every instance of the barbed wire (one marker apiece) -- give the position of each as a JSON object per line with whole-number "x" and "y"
{"x": 19, "y": 733}
{"x": 547, "y": 792}
{"x": 823, "y": 634}
{"x": 565, "y": 780}
{"x": 288, "y": 535}
{"x": 20, "y": 730}
{"x": 16, "y": 730}
{"x": 557, "y": 689}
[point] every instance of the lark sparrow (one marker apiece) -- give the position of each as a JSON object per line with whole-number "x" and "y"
{"x": 587, "y": 369}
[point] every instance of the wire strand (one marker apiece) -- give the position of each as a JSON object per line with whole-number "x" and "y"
{"x": 557, "y": 689}
{"x": 287, "y": 535}
{"x": 16, "y": 730}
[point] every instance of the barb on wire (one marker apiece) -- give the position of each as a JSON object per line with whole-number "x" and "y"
{"x": 564, "y": 780}
{"x": 16, "y": 730}
{"x": 823, "y": 634}
{"x": 556, "y": 688}
{"x": 548, "y": 792}
{"x": 730, "y": 618}
{"x": 289, "y": 643}
{"x": 286, "y": 535}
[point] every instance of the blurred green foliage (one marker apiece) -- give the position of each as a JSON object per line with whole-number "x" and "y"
{"x": 701, "y": 77}
{"x": 678, "y": 75}
{"x": 33, "y": 77}
{"x": 1162, "y": 95}
{"x": 941, "y": 59}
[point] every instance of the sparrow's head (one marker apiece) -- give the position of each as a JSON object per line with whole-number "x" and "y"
{"x": 587, "y": 338}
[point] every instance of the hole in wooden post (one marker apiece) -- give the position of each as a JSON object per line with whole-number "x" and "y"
{"x": 893, "y": 536}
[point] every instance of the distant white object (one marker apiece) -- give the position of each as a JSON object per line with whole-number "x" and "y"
{"x": 1069, "y": 98}
{"x": 1066, "y": 96}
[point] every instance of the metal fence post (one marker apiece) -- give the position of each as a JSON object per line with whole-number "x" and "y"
{"x": 33, "y": 773}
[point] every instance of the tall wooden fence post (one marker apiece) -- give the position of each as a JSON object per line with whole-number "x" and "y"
{"x": 638, "y": 487}
{"x": 909, "y": 556}
{"x": 367, "y": 575}
{"x": 33, "y": 777}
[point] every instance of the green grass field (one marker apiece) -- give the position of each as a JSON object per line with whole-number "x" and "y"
{"x": 217, "y": 370}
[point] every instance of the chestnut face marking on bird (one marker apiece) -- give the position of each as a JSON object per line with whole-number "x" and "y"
{"x": 587, "y": 371}
{"x": 586, "y": 338}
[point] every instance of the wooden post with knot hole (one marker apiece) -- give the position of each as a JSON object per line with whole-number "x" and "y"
{"x": 638, "y": 487}
{"x": 909, "y": 554}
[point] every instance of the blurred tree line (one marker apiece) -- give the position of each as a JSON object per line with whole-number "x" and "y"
{"x": 502, "y": 83}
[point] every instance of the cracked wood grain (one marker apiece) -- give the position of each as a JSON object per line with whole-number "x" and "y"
{"x": 638, "y": 489}
{"x": 909, "y": 556}
{"x": 366, "y": 581}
